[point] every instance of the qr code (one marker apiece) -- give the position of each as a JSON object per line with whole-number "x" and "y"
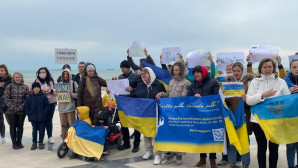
{"x": 218, "y": 134}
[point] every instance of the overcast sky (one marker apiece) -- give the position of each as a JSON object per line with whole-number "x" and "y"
{"x": 102, "y": 30}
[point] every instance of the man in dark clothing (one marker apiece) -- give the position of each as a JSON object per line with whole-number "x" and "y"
{"x": 135, "y": 67}
{"x": 133, "y": 78}
{"x": 81, "y": 68}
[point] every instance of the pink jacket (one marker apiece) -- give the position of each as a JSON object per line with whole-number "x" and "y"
{"x": 45, "y": 86}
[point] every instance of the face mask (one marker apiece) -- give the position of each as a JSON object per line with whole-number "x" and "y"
{"x": 42, "y": 76}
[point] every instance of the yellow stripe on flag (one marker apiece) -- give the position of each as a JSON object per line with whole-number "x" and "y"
{"x": 189, "y": 148}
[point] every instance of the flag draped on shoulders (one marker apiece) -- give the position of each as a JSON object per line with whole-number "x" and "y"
{"x": 278, "y": 118}
{"x": 138, "y": 113}
{"x": 85, "y": 140}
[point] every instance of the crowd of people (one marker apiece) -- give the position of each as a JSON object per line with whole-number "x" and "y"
{"x": 38, "y": 102}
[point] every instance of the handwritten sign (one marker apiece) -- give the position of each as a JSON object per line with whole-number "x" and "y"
{"x": 233, "y": 89}
{"x": 117, "y": 87}
{"x": 259, "y": 52}
{"x": 137, "y": 49}
{"x": 293, "y": 57}
{"x": 65, "y": 56}
{"x": 170, "y": 54}
{"x": 198, "y": 57}
{"x": 226, "y": 58}
{"x": 62, "y": 90}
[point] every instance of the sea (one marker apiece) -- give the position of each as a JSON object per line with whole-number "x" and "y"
{"x": 30, "y": 75}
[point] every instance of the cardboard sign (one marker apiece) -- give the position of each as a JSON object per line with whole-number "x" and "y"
{"x": 65, "y": 56}
{"x": 170, "y": 54}
{"x": 62, "y": 90}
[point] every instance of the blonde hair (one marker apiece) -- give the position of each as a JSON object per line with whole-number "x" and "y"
{"x": 90, "y": 87}
{"x": 18, "y": 73}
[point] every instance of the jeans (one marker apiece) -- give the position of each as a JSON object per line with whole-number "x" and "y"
{"x": 40, "y": 127}
{"x": 262, "y": 148}
{"x": 232, "y": 153}
{"x": 49, "y": 120}
{"x": 2, "y": 126}
{"x": 291, "y": 154}
{"x": 16, "y": 127}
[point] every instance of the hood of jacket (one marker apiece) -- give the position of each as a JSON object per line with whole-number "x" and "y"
{"x": 85, "y": 69}
{"x": 152, "y": 76}
{"x": 69, "y": 75}
{"x": 84, "y": 114}
{"x": 205, "y": 75}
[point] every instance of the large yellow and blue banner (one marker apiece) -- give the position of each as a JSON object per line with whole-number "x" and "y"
{"x": 190, "y": 124}
{"x": 278, "y": 118}
{"x": 138, "y": 113}
{"x": 85, "y": 140}
{"x": 233, "y": 89}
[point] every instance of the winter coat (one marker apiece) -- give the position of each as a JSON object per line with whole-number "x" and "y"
{"x": 261, "y": 84}
{"x": 132, "y": 77}
{"x": 291, "y": 80}
{"x": 36, "y": 107}
{"x": 44, "y": 86}
{"x": 233, "y": 102}
{"x": 150, "y": 90}
{"x": 67, "y": 107}
{"x": 84, "y": 98}
{"x": 206, "y": 87}
{"x": 135, "y": 67}
{"x": 14, "y": 97}
{"x": 178, "y": 86}
{"x": 77, "y": 78}
{"x": 7, "y": 80}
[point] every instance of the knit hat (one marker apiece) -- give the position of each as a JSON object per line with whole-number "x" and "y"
{"x": 124, "y": 64}
{"x": 90, "y": 67}
{"x": 36, "y": 84}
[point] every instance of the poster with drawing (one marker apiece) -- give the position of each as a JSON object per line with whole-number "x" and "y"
{"x": 198, "y": 57}
{"x": 223, "y": 59}
{"x": 137, "y": 49}
{"x": 170, "y": 54}
{"x": 259, "y": 52}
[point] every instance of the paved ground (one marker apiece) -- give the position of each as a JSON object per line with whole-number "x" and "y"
{"x": 123, "y": 159}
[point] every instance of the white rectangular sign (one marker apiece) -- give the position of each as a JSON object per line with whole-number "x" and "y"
{"x": 259, "y": 52}
{"x": 117, "y": 87}
{"x": 137, "y": 49}
{"x": 226, "y": 58}
{"x": 198, "y": 57}
{"x": 170, "y": 54}
{"x": 65, "y": 56}
{"x": 292, "y": 57}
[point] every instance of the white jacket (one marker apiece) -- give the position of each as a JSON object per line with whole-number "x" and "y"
{"x": 259, "y": 85}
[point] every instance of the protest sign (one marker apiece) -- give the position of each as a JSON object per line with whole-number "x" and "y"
{"x": 233, "y": 89}
{"x": 65, "y": 56}
{"x": 259, "y": 52}
{"x": 170, "y": 54}
{"x": 226, "y": 58}
{"x": 198, "y": 57}
{"x": 62, "y": 90}
{"x": 293, "y": 57}
{"x": 117, "y": 87}
{"x": 137, "y": 49}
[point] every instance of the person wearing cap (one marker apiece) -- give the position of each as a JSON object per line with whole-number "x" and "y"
{"x": 203, "y": 85}
{"x": 66, "y": 66}
{"x": 89, "y": 91}
{"x": 36, "y": 108}
{"x": 133, "y": 79}
{"x": 136, "y": 68}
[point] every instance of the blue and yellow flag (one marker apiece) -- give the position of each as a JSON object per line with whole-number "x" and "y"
{"x": 233, "y": 89}
{"x": 85, "y": 140}
{"x": 138, "y": 113}
{"x": 278, "y": 118}
{"x": 236, "y": 128}
{"x": 190, "y": 124}
{"x": 161, "y": 74}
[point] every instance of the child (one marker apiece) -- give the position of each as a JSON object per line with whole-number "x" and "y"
{"x": 36, "y": 107}
{"x": 103, "y": 121}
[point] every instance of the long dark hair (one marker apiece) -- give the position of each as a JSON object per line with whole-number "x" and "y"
{"x": 48, "y": 77}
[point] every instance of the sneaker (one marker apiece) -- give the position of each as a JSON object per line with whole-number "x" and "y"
{"x": 230, "y": 165}
{"x": 179, "y": 160}
{"x": 106, "y": 152}
{"x": 41, "y": 145}
{"x": 2, "y": 140}
{"x": 135, "y": 148}
{"x": 222, "y": 162}
{"x": 147, "y": 155}
{"x": 157, "y": 160}
{"x": 34, "y": 146}
{"x": 168, "y": 158}
{"x": 238, "y": 164}
{"x": 123, "y": 147}
{"x": 51, "y": 140}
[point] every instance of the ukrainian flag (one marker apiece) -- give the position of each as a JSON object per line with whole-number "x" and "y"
{"x": 161, "y": 74}
{"x": 85, "y": 140}
{"x": 233, "y": 89}
{"x": 138, "y": 113}
{"x": 236, "y": 128}
{"x": 278, "y": 118}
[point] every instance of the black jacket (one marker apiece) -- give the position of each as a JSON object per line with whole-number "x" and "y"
{"x": 7, "y": 80}
{"x": 36, "y": 107}
{"x": 207, "y": 87}
{"x": 77, "y": 78}
{"x": 132, "y": 77}
{"x": 142, "y": 91}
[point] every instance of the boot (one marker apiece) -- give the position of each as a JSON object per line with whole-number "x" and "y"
{"x": 213, "y": 163}
{"x": 34, "y": 146}
{"x": 19, "y": 138}
{"x": 201, "y": 163}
